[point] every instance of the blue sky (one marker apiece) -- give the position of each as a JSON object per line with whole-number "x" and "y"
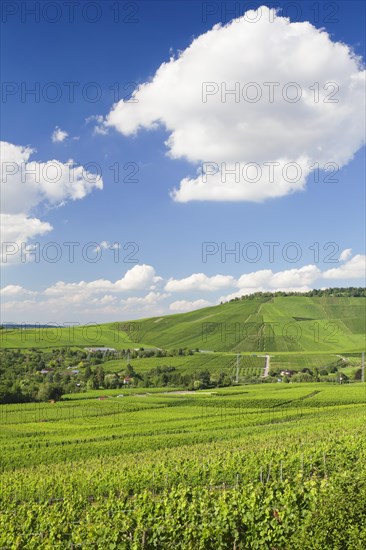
{"x": 106, "y": 57}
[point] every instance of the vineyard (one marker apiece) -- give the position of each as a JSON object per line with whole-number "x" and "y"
{"x": 263, "y": 324}
{"x": 248, "y": 467}
{"x": 181, "y": 436}
{"x": 213, "y": 362}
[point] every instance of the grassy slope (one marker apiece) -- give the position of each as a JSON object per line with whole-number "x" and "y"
{"x": 289, "y": 324}
{"x": 107, "y": 335}
{"x": 283, "y": 325}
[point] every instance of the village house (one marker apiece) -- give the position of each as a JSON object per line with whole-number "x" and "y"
{"x": 103, "y": 350}
{"x": 287, "y": 372}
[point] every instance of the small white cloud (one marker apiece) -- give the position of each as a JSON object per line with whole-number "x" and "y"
{"x": 355, "y": 268}
{"x": 100, "y": 128}
{"x": 345, "y": 254}
{"x": 152, "y": 298}
{"x": 302, "y": 276}
{"x": 265, "y": 280}
{"x": 199, "y": 281}
{"x": 298, "y": 277}
{"x": 186, "y": 305}
{"x": 59, "y": 135}
{"x": 138, "y": 278}
{"x": 105, "y": 245}
{"x": 15, "y": 290}
{"x": 16, "y": 230}
{"x": 106, "y": 299}
{"x": 26, "y": 184}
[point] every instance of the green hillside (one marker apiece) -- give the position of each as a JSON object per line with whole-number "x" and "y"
{"x": 264, "y": 324}
{"x": 116, "y": 335}
{"x": 277, "y": 324}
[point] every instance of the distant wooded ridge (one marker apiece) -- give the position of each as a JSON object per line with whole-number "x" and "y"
{"x": 351, "y": 292}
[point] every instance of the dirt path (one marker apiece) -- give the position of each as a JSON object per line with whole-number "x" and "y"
{"x": 267, "y": 366}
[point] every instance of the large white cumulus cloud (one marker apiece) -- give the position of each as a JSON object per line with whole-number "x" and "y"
{"x": 323, "y": 126}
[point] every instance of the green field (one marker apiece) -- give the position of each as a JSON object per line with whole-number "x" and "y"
{"x": 278, "y": 324}
{"x": 254, "y": 465}
{"x": 113, "y": 335}
{"x": 213, "y": 362}
{"x": 270, "y": 466}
